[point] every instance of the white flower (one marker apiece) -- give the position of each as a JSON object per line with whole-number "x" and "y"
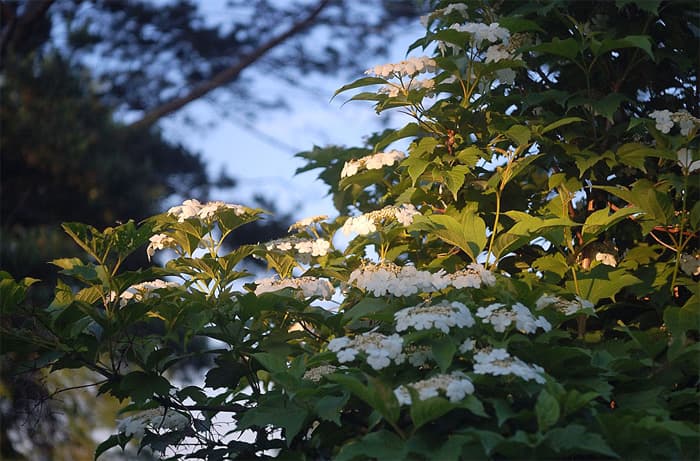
{"x": 309, "y": 286}
{"x": 685, "y": 160}
{"x": 303, "y": 246}
{"x": 501, "y": 318}
{"x": 499, "y": 362}
{"x": 455, "y": 386}
{"x": 496, "y": 53}
{"x": 482, "y": 32}
{"x": 506, "y": 76}
{"x": 690, "y": 264}
{"x": 346, "y": 355}
{"x": 336, "y": 344}
{"x": 685, "y": 121}
{"x": 317, "y": 373}
{"x": 154, "y": 419}
{"x": 159, "y": 242}
{"x": 409, "y": 67}
{"x": 405, "y": 214}
{"x": 144, "y": 290}
{"x": 606, "y": 258}
{"x": 193, "y": 208}
{"x": 663, "y": 120}
{"x": 378, "y": 348}
{"x": 367, "y": 223}
{"x": 371, "y": 162}
{"x": 441, "y": 316}
{"x": 307, "y": 222}
{"x": 467, "y": 345}
{"x": 563, "y": 305}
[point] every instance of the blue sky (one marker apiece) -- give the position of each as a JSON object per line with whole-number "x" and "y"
{"x": 259, "y": 153}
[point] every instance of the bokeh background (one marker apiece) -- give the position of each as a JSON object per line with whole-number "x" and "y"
{"x": 113, "y": 110}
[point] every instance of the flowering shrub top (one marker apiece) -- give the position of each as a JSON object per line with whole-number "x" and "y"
{"x": 533, "y": 294}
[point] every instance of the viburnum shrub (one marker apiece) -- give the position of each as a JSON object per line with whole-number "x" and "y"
{"x": 520, "y": 283}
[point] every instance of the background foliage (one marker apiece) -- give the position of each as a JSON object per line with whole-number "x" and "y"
{"x": 542, "y": 178}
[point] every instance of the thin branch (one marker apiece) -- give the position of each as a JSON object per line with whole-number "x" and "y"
{"x": 229, "y": 74}
{"x": 18, "y": 28}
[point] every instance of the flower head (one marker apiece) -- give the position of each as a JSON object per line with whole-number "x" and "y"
{"x": 309, "y": 286}
{"x": 441, "y": 316}
{"x": 379, "y": 349}
{"x": 455, "y": 386}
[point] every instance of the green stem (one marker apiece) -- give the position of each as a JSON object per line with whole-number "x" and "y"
{"x": 493, "y": 231}
{"x": 681, "y": 243}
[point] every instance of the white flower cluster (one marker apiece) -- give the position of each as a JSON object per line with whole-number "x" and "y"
{"x": 194, "y": 209}
{"x": 483, "y": 32}
{"x": 459, "y": 7}
{"x": 367, "y": 223}
{"x": 380, "y": 349}
{"x": 690, "y": 264}
{"x": 144, "y": 290}
{"x": 388, "y": 278}
{"x": 500, "y": 317}
{"x": 564, "y": 305}
{"x": 665, "y": 119}
{"x": 313, "y": 247}
{"x": 472, "y": 277}
{"x": 307, "y": 222}
{"x": 371, "y": 162}
{"x": 393, "y": 90}
{"x": 442, "y": 316}
{"x": 499, "y": 362}
{"x": 155, "y": 419}
{"x": 309, "y": 286}
{"x": 317, "y": 373}
{"x": 455, "y": 386}
{"x": 409, "y": 67}
{"x": 159, "y": 242}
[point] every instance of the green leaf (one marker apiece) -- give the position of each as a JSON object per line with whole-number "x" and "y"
{"x": 276, "y": 410}
{"x": 368, "y": 307}
{"x": 469, "y": 156}
{"x": 411, "y": 129}
{"x": 554, "y": 263}
{"x": 568, "y": 48}
{"x": 416, "y": 167}
{"x": 141, "y": 386}
{"x": 547, "y": 410}
{"x": 329, "y": 407}
{"x": 113, "y": 441}
{"x": 454, "y": 178}
{"x": 601, "y": 282}
{"x": 272, "y": 362}
{"x": 520, "y": 134}
{"x": 652, "y": 6}
{"x": 601, "y": 220}
{"x": 365, "y": 81}
{"x": 425, "y": 411}
{"x": 559, "y": 123}
{"x": 695, "y": 216}
{"x": 608, "y": 105}
{"x": 443, "y": 349}
{"x": 642, "y": 42}
{"x": 384, "y": 399}
{"x": 634, "y": 154}
{"x": 382, "y": 445}
{"x": 464, "y": 229}
{"x": 574, "y": 438}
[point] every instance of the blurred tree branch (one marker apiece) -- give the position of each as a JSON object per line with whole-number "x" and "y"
{"x": 230, "y": 73}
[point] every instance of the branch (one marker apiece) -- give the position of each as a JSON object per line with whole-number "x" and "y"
{"x": 16, "y": 28}
{"x": 229, "y": 74}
